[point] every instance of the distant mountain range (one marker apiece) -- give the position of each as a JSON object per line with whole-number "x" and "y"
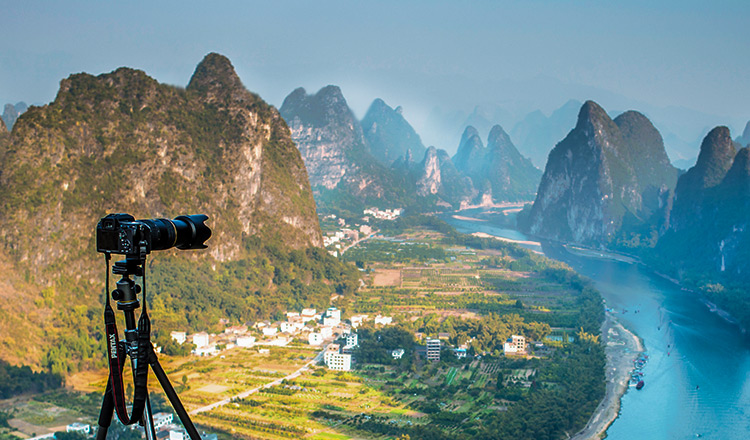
{"x": 11, "y": 112}
{"x": 744, "y": 138}
{"x": 389, "y": 135}
{"x": 382, "y": 161}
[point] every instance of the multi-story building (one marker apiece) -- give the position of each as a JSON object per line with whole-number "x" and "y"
{"x": 330, "y": 351}
{"x": 433, "y": 349}
{"x": 162, "y": 419}
{"x": 514, "y": 345}
{"x": 340, "y": 361}
{"x": 352, "y": 340}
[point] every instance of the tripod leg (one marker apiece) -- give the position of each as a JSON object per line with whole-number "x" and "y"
{"x": 105, "y": 414}
{"x": 172, "y": 395}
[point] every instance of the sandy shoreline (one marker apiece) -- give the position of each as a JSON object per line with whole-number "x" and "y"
{"x": 622, "y": 346}
{"x": 509, "y": 240}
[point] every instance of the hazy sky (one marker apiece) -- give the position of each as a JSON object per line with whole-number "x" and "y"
{"x": 521, "y": 55}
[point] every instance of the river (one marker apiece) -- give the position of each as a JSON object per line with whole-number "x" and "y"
{"x": 698, "y": 374}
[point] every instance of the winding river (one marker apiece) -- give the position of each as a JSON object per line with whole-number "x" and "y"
{"x": 698, "y": 374}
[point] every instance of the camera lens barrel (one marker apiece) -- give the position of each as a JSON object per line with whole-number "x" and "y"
{"x": 184, "y": 232}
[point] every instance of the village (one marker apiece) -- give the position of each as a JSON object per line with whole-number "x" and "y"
{"x": 323, "y": 330}
{"x": 339, "y": 235}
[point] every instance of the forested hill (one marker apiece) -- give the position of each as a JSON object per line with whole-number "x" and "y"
{"x": 122, "y": 142}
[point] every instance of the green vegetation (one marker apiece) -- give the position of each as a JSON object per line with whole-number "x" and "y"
{"x": 271, "y": 280}
{"x": 19, "y": 380}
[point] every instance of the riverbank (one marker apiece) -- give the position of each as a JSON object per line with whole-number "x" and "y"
{"x": 509, "y": 240}
{"x": 621, "y": 347}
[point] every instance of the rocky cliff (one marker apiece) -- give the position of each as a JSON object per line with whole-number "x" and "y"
{"x": 388, "y": 134}
{"x": 122, "y": 142}
{"x": 592, "y": 181}
{"x": 436, "y": 175}
{"x": 714, "y": 160}
{"x": 709, "y": 224}
{"x": 335, "y": 151}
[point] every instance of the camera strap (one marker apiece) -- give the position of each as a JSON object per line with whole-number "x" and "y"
{"x": 117, "y": 354}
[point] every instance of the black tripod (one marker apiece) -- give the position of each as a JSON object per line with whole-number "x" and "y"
{"x": 137, "y": 346}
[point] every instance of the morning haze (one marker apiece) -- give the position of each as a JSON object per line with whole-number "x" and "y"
{"x": 448, "y": 56}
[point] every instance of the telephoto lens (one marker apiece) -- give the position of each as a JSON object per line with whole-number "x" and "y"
{"x": 184, "y": 232}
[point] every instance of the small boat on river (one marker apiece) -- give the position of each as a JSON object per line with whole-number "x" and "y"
{"x": 639, "y": 385}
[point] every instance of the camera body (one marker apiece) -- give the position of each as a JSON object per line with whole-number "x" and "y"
{"x": 123, "y": 234}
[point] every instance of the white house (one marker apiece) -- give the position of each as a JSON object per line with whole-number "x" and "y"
{"x": 433, "y": 349}
{"x": 335, "y": 360}
{"x": 236, "y": 330}
{"x": 270, "y": 331}
{"x": 78, "y": 427}
{"x": 315, "y": 338}
{"x": 288, "y": 327}
{"x": 178, "y": 434}
{"x": 180, "y": 337}
{"x": 326, "y": 332}
{"x": 357, "y": 320}
{"x": 200, "y": 339}
{"x": 330, "y": 321}
{"x": 397, "y": 353}
{"x": 332, "y": 317}
{"x": 383, "y": 320}
{"x": 205, "y": 350}
{"x": 330, "y": 351}
{"x": 245, "y": 341}
{"x": 308, "y": 315}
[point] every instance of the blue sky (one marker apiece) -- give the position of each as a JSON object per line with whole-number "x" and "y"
{"x": 519, "y": 55}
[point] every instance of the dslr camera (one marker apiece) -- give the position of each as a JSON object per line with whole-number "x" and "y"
{"x": 123, "y": 234}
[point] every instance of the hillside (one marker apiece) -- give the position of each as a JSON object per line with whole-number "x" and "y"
{"x": 122, "y": 142}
